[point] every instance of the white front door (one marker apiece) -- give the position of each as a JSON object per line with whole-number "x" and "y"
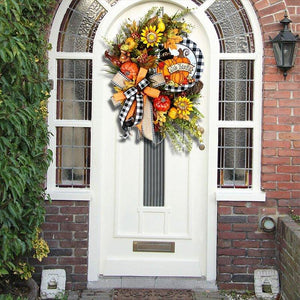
{"x": 175, "y": 232}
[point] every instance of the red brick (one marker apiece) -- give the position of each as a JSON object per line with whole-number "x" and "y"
{"x": 231, "y": 251}
{"x": 289, "y": 136}
{"x": 244, "y": 227}
{"x": 232, "y": 235}
{"x": 74, "y": 210}
{"x": 224, "y": 277}
{"x": 289, "y": 152}
{"x": 286, "y": 85}
{"x": 224, "y": 260}
{"x": 276, "y": 144}
{"x": 80, "y": 252}
{"x": 232, "y": 269}
{"x": 224, "y": 210}
{"x": 81, "y": 235}
{"x": 59, "y": 218}
{"x": 278, "y": 194}
{"x": 73, "y": 227}
{"x": 72, "y": 260}
{"x": 73, "y": 244}
{"x": 261, "y": 253}
{"x": 50, "y": 227}
{"x": 272, "y": 127}
{"x": 288, "y": 169}
{"x": 276, "y": 177}
{"x": 269, "y": 261}
{"x": 246, "y": 244}
{"x": 288, "y": 185}
{"x": 275, "y": 160}
{"x": 252, "y": 219}
{"x": 80, "y": 269}
{"x": 244, "y": 261}
{"x": 268, "y": 244}
{"x": 224, "y": 243}
{"x": 268, "y": 210}
{"x": 246, "y": 210}
{"x": 260, "y": 236}
{"x": 224, "y": 226}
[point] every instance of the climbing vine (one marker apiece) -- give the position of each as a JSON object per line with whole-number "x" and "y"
{"x": 24, "y": 92}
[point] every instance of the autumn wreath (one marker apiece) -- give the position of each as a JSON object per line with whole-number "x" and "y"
{"x": 157, "y": 71}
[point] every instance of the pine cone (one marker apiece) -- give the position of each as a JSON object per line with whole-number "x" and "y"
{"x": 195, "y": 89}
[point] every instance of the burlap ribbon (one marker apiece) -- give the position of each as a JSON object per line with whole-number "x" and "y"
{"x": 137, "y": 108}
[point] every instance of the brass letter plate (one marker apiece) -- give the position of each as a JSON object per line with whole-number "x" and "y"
{"x": 142, "y": 246}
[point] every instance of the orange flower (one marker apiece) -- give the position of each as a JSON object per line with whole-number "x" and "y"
{"x": 172, "y": 39}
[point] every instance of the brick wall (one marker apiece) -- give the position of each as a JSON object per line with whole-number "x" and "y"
{"x": 66, "y": 232}
{"x": 242, "y": 247}
{"x": 288, "y": 239}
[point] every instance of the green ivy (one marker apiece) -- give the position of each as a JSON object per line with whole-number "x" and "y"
{"x": 24, "y": 136}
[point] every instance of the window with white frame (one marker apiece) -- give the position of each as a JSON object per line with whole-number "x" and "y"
{"x": 239, "y": 103}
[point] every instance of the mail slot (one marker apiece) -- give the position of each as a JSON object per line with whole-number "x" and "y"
{"x": 143, "y": 246}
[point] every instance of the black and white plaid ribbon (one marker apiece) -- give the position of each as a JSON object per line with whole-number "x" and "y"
{"x": 132, "y": 94}
{"x": 199, "y": 67}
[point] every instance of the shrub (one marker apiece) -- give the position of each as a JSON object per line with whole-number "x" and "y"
{"x": 24, "y": 160}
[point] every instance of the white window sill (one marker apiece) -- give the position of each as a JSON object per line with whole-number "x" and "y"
{"x": 240, "y": 195}
{"x": 70, "y": 194}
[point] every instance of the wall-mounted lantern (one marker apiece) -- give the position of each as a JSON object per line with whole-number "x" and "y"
{"x": 285, "y": 47}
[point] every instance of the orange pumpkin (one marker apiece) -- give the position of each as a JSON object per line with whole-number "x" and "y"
{"x": 129, "y": 69}
{"x": 179, "y": 77}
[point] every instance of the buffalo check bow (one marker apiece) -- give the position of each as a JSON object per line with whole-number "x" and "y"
{"x": 132, "y": 111}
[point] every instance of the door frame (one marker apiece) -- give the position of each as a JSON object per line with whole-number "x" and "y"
{"x": 211, "y": 133}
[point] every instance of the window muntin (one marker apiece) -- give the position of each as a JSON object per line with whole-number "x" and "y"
{"x": 235, "y": 151}
{"x": 73, "y": 152}
{"x": 74, "y": 89}
{"x": 236, "y": 90}
{"x": 73, "y": 104}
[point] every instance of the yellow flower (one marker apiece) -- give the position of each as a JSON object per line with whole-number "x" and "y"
{"x": 161, "y": 26}
{"x": 184, "y": 107}
{"x": 151, "y": 36}
{"x": 172, "y": 39}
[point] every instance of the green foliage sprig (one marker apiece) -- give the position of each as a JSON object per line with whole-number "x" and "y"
{"x": 24, "y": 160}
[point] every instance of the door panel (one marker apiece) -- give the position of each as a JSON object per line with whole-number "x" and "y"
{"x": 124, "y": 219}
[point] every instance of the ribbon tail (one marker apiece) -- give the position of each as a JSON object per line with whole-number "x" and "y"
{"x": 147, "y": 125}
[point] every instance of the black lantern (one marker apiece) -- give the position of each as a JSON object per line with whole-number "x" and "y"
{"x": 284, "y": 47}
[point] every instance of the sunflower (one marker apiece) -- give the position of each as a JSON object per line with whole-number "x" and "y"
{"x": 151, "y": 36}
{"x": 184, "y": 106}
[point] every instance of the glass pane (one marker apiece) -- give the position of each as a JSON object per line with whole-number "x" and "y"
{"x": 73, "y": 157}
{"x": 154, "y": 177}
{"x": 232, "y": 25}
{"x": 79, "y": 26}
{"x": 236, "y": 90}
{"x": 235, "y": 147}
{"x": 74, "y": 89}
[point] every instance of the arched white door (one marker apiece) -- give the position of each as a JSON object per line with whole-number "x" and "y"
{"x": 174, "y": 235}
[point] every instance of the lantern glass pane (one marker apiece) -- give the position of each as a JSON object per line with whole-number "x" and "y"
{"x": 277, "y": 53}
{"x": 288, "y": 54}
